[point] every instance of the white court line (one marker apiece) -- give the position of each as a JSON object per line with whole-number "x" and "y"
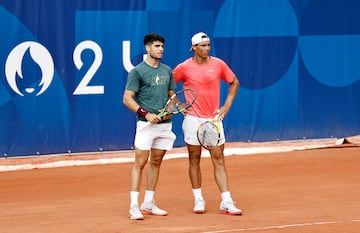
{"x": 169, "y": 155}
{"x": 282, "y": 226}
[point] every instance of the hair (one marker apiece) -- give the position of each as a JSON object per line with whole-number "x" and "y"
{"x": 150, "y": 38}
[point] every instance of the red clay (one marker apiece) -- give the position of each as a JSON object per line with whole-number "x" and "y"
{"x": 315, "y": 191}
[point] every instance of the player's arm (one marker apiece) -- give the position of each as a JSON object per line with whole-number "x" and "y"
{"x": 232, "y": 91}
{"x": 130, "y": 103}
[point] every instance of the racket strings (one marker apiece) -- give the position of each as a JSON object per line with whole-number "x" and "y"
{"x": 181, "y": 102}
{"x": 175, "y": 105}
{"x": 208, "y": 134}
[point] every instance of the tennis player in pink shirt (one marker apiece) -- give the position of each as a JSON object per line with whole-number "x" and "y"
{"x": 204, "y": 74}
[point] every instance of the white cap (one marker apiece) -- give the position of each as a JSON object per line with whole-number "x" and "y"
{"x": 198, "y": 38}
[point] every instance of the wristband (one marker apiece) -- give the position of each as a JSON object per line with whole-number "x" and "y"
{"x": 141, "y": 112}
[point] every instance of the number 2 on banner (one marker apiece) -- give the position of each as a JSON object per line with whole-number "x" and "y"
{"x": 83, "y": 88}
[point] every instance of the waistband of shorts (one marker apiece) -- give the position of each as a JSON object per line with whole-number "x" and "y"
{"x": 161, "y": 122}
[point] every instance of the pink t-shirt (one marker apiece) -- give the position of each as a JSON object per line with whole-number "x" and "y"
{"x": 205, "y": 80}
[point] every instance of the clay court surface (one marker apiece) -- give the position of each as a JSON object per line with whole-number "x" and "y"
{"x": 313, "y": 190}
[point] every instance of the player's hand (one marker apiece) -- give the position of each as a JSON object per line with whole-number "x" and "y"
{"x": 152, "y": 118}
{"x": 220, "y": 113}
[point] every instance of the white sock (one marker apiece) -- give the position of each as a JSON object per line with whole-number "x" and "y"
{"x": 134, "y": 197}
{"x": 197, "y": 193}
{"x": 149, "y": 196}
{"x": 226, "y": 196}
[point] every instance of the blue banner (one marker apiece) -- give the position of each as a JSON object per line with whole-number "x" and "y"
{"x": 65, "y": 63}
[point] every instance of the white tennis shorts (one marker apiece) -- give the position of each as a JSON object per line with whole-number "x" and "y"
{"x": 154, "y": 136}
{"x": 191, "y": 124}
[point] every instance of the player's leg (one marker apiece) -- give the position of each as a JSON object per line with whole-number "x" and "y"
{"x": 189, "y": 126}
{"x": 227, "y": 205}
{"x": 194, "y": 166}
{"x": 220, "y": 173}
{"x": 143, "y": 142}
{"x": 141, "y": 157}
{"x": 154, "y": 168}
{"x": 163, "y": 141}
{"x": 195, "y": 178}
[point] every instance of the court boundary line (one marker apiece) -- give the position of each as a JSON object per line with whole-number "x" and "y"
{"x": 67, "y": 160}
{"x": 272, "y": 227}
{"x": 73, "y": 161}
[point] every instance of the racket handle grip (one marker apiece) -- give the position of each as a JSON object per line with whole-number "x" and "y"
{"x": 144, "y": 126}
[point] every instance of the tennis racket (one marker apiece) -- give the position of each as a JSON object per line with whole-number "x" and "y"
{"x": 178, "y": 103}
{"x": 209, "y": 134}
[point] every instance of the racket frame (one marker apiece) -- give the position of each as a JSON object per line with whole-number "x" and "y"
{"x": 216, "y": 123}
{"x": 163, "y": 112}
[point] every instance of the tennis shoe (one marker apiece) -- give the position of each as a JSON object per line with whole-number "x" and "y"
{"x": 228, "y": 207}
{"x": 199, "y": 207}
{"x": 135, "y": 213}
{"x": 151, "y": 208}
